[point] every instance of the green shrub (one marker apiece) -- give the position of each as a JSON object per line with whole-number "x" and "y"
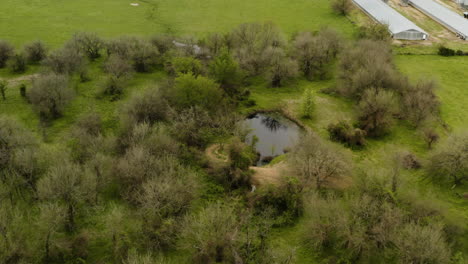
{"x": 6, "y": 52}
{"x": 190, "y": 90}
{"x": 343, "y": 132}
{"x": 446, "y": 52}
{"x": 307, "y": 104}
{"x": 35, "y": 52}
{"x": 17, "y": 63}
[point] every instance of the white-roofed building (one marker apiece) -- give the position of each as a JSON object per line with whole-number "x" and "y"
{"x": 442, "y": 14}
{"x": 399, "y": 26}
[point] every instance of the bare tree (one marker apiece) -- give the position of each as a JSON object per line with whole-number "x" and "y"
{"x": 376, "y": 110}
{"x": 67, "y": 60}
{"x": 281, "y": 67}
{"x": 35, "y": 52}
{"x": 70, "y": 184}
{"x": 368, "y": 64}
{"x": 118, "y": 67}
{"x": 50, "y": 94}
{"x": 89, "y": 43}
{"x": 430, "y": 136}
{"x": 419, "y": 102}
{"x": 422, "y": 244}
{"x": 250, "y": 41}
{"x": 212, "y": 234}
{"x": 18, "y": 149}
{"x": 51, "y": 221}
{"x": 316, "y": 162}
{"x": 147, "y": 107}
{"x": 315, "y": 52}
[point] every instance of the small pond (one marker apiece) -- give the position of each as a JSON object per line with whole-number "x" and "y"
{"x": 275, "y": 134}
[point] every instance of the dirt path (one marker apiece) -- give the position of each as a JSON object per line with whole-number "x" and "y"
{"x": 20, "y": 79}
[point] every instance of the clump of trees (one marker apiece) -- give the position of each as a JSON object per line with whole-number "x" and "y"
{"x": 367, "y": 75}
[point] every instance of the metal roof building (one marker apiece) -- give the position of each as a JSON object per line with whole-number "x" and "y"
{"x": 399, "y": 26}
{"x": 443, "y": 15}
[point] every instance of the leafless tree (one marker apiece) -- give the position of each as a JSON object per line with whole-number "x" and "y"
{"x": 317, "y": 162}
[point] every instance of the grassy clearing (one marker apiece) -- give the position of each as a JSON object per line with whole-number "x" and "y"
{"x": 54, "y": 22}
{"x": 451, "y": 75}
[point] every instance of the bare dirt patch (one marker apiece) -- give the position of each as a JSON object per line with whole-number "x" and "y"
{"x": 20, "y": 79}
{"x": 269, "y": 175}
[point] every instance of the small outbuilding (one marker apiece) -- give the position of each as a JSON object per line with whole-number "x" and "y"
{"x": 399, "y": 26}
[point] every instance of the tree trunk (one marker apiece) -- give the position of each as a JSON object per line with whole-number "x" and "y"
{"x": 71, "y": 218}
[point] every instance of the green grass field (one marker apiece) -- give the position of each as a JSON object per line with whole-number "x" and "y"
{"x": 54, "y": 21}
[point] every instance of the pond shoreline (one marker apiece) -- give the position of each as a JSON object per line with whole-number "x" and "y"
{"x": 280, "y": 112}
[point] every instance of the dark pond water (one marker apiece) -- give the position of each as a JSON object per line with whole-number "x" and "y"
{"x": 274, "y": 133}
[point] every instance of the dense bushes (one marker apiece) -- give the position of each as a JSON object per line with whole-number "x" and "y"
{"x": 374, "y": 31}
{"x": 343, "y": 132}
{"x": 189, "y": 90}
